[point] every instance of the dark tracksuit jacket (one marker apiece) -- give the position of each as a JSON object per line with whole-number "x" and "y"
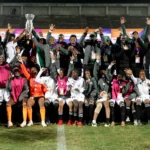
{"x": 141, "y": 52}
{"x": 63, "y": 58}
{"x": 107, "y": 55}
{"x": 91, "y": 88}
{"x": 104, "y": 84}
{"x": 122, "y": 56}
{"x": 77, "y": 61}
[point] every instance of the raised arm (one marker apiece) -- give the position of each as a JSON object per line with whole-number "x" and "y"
{"x": 125, "y": 88}
{"x": 130, "y": 74}
{"x": 71, "y": 66}
{"x": 35, "y": 34}
{"x": 82, "y": 38}
{"x": 146, "y": 29}
{"x": 109, "y": 75}
{"x": 23, "y": 69}
{"x": 22, "y": 34}
{"x": 49, "y": 34}
{"x": 103, "y": 41}
{"x": 37, "y": 44}
{"x": 97, "y": 67}
{"x": 53, "y": 68}
{"x": 38, "y": 77}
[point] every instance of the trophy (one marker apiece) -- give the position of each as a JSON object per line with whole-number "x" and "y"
{"x": 29, "y": 23}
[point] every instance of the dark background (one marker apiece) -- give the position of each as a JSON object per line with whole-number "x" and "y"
{"x": 74, "y": 1}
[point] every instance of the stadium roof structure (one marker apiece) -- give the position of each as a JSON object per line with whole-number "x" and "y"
{"x": 74, "y": 22}
{"x": 75, "y": 1}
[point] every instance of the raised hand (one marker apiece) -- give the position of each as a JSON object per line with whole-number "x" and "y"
{"x": 52, "y": 56}
{"x": 98, "y": 57}
{"x": 72, "y": 58}
{"x": 122, "y": 20}
{"x": 96, "y": 30}
{"x": 51, "y": 27}
{"x": 19, "y": 59}
{"x": 128, "y": 72}
{"x": 125, "y": 47}
{"x": 148, "y": 21}
{"x": 43, "y": 69}
{"x": 100, "y": 30}
{"x": 9, "y": 26}
{"x": 113, "y": 63}
{"x": 75, "y": 52}
{"x": 70, "y": 48}
{"x": 86, "y": 30}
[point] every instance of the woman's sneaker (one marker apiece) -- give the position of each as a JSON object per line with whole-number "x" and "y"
{"x": 30, "y": 123}
{"x": 10, "y": 124}
{"x": 23, "y": 124}
{"x": 135, "y": 123}
{"x": 94, "y": 124}
{"x": 43, "y": 124}
{"x": 139, "y": 123}
{"x": 106, "y": 125}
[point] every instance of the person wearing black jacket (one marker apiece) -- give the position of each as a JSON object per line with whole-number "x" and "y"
{"x": 63, "y": 58}
{"x": 137, "y": 55}
{"x": 76, "y": 50}
{"x": 107, "y": 53}
{"x": 123, "y": 51}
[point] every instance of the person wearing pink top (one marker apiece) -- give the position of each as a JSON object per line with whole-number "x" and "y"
{"x": 117, "y": 92}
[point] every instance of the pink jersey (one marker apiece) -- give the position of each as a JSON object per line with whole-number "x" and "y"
{"x": 17, "y": 87}
{"x": 116, "y": 88}
{"x": 4, "y": 75}
{"x": 62, "y": 85}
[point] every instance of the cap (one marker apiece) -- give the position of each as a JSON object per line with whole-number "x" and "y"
{"x": 92, "y": 35}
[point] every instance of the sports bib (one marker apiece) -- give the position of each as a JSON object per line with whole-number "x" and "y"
{"x": 119, "y": 96}
{"x": 137, "y": 59}
{"x": 93, "y": 55}
{"x": 105, "y": 58}
{"x": 61, "y": 91}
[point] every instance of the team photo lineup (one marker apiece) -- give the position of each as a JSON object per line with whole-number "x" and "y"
{"x": 86, "y": 76}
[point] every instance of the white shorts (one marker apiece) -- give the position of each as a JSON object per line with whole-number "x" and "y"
{"x": 117, "y": 101}
{"x": 141, "y": 98}
{"x": 4, "y": 95}
{"x": 79, "y": 97}
{"x": 62, "y": 99}
{"x": 68, "y": 100}
{"x": 51, "y": 97}
{"x": 101, "y": 100}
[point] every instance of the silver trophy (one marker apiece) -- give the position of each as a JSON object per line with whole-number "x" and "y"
{"x": 29, "y": 23}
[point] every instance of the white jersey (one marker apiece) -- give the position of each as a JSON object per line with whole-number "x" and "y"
{"x": 10, "y": 51}
{"x": 51, "y": 94}
{"x": 77, "y": 88}
{"x": 142, "y": 86}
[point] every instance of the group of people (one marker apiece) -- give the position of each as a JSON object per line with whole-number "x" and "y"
{"x": 85, "y": 76}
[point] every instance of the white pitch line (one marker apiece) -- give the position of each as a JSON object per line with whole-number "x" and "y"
{"x": 61, "y": 139}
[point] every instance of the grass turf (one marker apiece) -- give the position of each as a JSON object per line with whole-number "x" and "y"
{"x": 28, "y": 138}
{"x": 84, "y": 138}
{"x": 112, "y": 138}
